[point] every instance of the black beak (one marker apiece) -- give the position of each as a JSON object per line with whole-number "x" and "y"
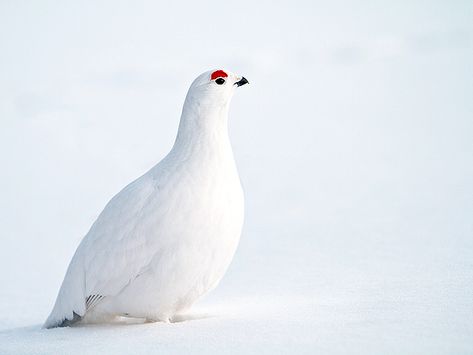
{"x": 243, "y": 81}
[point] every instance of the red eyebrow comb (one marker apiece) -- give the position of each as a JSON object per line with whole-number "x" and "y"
{"x": 218, "y": 74}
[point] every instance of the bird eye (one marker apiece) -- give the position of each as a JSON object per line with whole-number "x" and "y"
{"x": 220, "y": 81}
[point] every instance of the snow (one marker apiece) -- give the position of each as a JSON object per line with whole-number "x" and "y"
{"x": 353, "y": 142}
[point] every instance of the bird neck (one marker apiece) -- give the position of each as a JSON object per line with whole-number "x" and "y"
{"x": 202, "y": 128}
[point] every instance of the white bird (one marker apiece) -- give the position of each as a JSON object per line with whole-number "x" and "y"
{"x": 168, "y": 237}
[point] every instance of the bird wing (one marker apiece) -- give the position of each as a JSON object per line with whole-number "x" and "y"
{"x": 117, "y": 246}
{"x": 121, "y": 243}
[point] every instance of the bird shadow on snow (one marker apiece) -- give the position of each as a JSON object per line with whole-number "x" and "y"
{"x": 29, "y": 332}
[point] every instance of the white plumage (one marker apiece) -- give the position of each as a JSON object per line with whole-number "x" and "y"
{"x": 168, "y": 237}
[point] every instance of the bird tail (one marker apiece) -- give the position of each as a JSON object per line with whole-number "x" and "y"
{"x": 65, "y": 323}
{"x": 70, "y": 303}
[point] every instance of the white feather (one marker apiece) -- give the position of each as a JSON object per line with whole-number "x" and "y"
{"x": 168, "y": 237}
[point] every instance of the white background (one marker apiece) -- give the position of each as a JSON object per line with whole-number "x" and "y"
{"x": 354, "y": 142}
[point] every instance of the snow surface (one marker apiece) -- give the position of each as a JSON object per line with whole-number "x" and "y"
{"x": 354, "y": 144}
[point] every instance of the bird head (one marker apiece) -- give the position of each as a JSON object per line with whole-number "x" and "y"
{"x": 214, "y": 89}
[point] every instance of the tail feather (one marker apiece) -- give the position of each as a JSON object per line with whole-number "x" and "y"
{"x": 65, "y": 323}
{"x": 70, "y": 303}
